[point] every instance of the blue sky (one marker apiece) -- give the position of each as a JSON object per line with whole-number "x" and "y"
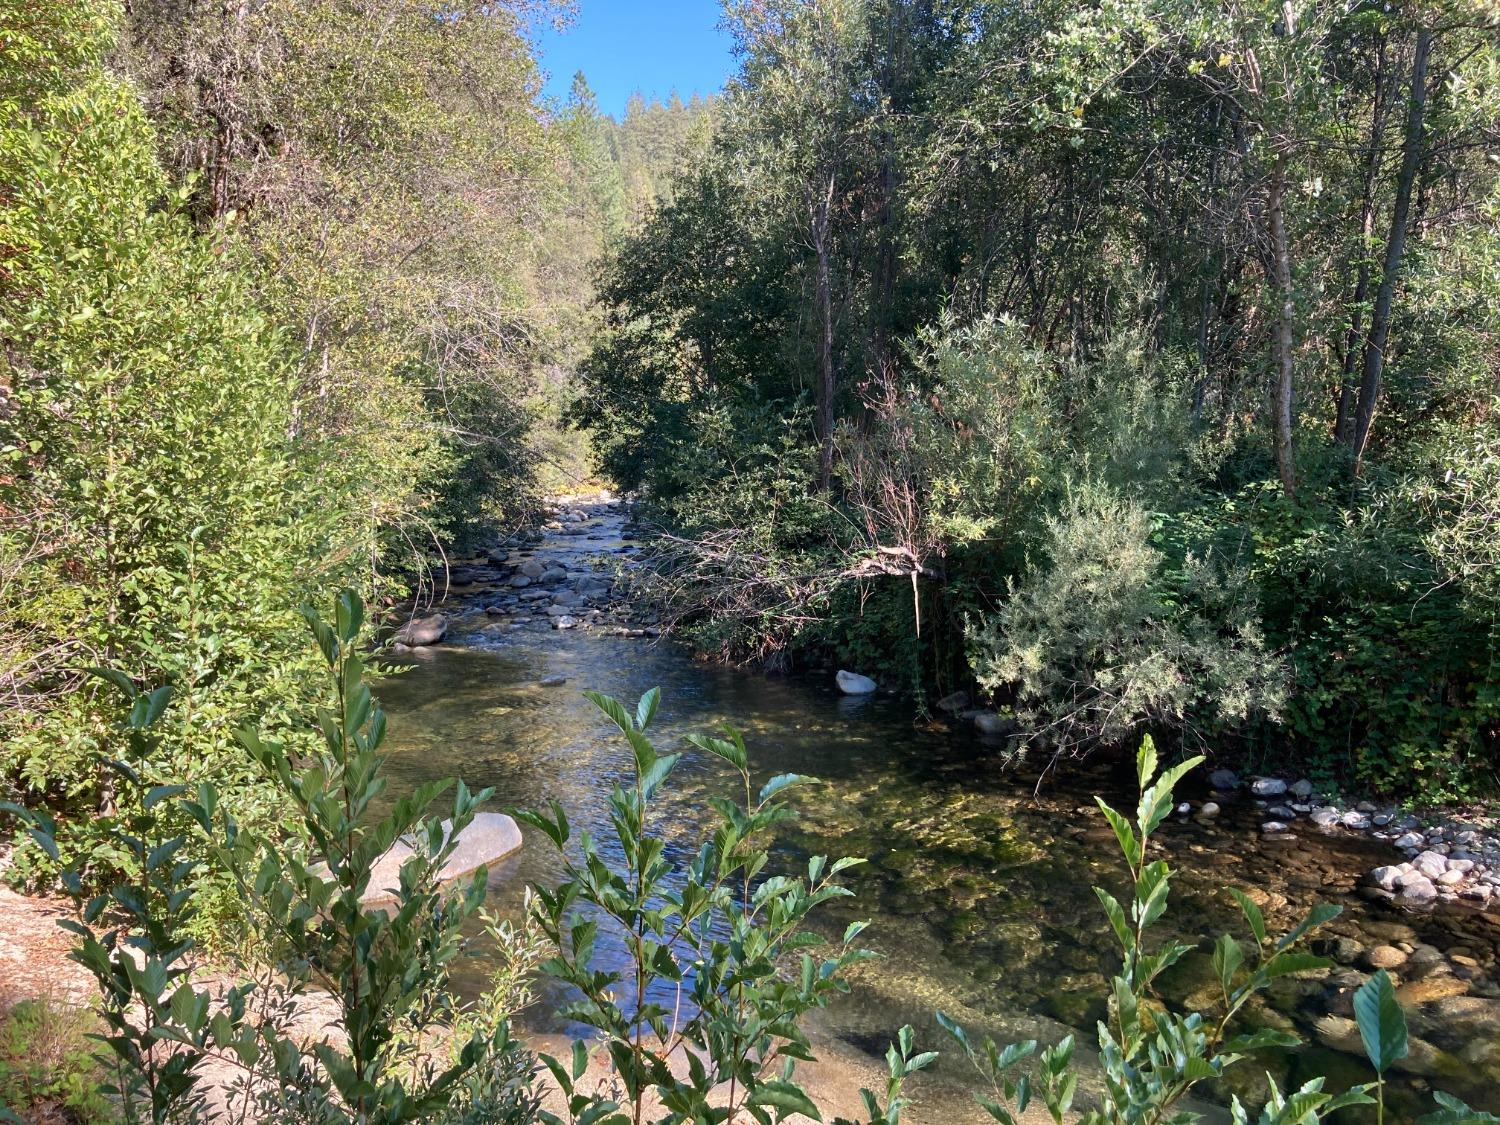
{"x": 654, "y": 46}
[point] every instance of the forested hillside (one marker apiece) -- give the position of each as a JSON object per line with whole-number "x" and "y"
{"x": 287, "y": 304}
{"x": 1135, "y": 364}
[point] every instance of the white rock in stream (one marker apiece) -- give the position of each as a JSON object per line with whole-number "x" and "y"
{"x": 489, "y": 838}
{"x": 852, "y": 683}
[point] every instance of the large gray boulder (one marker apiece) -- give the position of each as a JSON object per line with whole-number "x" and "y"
{"x": 420, "y": 631}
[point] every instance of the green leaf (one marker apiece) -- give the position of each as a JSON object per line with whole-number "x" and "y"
{"x": 645, "y": 710}
{"x": 1145, "y": 762}
{"x": 1252, "y": 914}
{"x": 1382, "y": 1024}
{"x": 1123, "y": 833}
{"x": 1455, "y": 1112}
{"x": 785, "y": 1096}
{"x": 779, "y": 782}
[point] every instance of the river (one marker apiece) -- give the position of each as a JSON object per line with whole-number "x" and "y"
{"x": 979, "y": 883}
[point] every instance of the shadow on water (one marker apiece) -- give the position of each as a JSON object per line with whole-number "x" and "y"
{"x": 978, "y": 889}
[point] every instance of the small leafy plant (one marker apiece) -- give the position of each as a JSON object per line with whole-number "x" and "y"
{"x": 722, "y": 964}
{"x": 386, "y": 967}
{"x": 1152, "y": 1057}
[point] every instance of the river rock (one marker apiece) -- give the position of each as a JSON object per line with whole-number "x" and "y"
{"x": 1302, "y": 789}
{"x": 953, "y": 703}
{"x": 988, "y": 722}
{"x": 852, "y": 683}
{"x": 1438, "y": 986}
{"x": 552, "y": 575}
{"x": 1430, "y": 864}
{"x": 1273, "y": 827}
{"x": 1383, "y": 957}
{"x": 1338, "y": 1032}
{"x": 532, "y": 569}
{"x": 552, "y": 681}
{"x": 421, "y": 631}
{"x": 520, "y": 581}
{"x": 1355, "y": 819}
{"x": 488, "y": 838}
{"x": 1325, "y": 817}
{"x": 564, "y": 622}
{"x": 1268, "y": 787}
{"x": 1417, "y": 889}
{"x": 1208, "y": 809}
{"x": 1223, "y": 779}
{"x": 1409, "y": 840}
{"x": 1386, "y": 878}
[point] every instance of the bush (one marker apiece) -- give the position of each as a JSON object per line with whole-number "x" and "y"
{"x": 386, "y": 968}
{"x": 1101, "y": 637}
{"x": 156, "y": 515}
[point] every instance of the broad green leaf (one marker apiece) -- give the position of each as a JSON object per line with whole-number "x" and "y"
{"x": 1382, "y": 1024}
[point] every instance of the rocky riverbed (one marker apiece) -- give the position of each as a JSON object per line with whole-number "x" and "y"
{"x": 563, "y": 575}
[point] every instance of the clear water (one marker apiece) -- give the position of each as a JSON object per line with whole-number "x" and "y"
{"x": 979, "y": 885}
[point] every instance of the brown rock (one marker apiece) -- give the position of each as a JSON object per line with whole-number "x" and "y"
{"x": 1383, "y": 957}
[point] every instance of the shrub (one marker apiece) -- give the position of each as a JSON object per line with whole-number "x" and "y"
{"x": 726, "y": 941}
{"x": 1101, "y": 638}
{"x": 386, "y": 968}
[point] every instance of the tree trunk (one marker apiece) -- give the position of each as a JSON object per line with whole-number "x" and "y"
{"x": 826, "y": 386}
{"x": 1380, "y": 315}
{"x": 1282, "y": 338}
{"x": 1343, "y": 425}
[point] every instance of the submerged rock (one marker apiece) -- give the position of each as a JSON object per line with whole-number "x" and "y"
{"x": 1383, "y": 957}
{"x": 989, "y": 722}
{"x": 953, "y": 703}
{"x": 852, "y": 683}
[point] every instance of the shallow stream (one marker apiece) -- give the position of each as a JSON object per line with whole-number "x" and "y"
{"x": 979, "y": 885}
